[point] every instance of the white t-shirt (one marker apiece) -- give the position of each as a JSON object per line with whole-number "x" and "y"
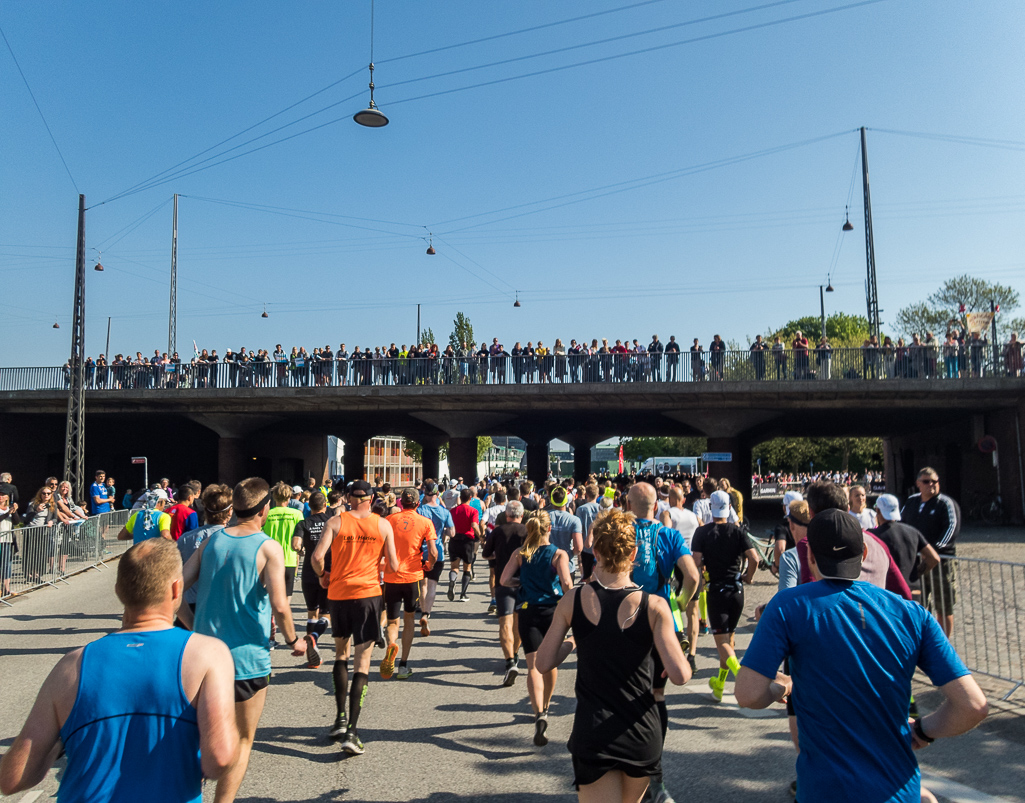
{"x": 491, "y": 514}
{"x": 450, "y": 498}
{"x": 866, "y": 518}
{"x": 684, "y": 522}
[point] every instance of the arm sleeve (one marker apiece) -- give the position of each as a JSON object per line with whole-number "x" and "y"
{"x": 130, "y": 524}
{"x": 936, "y": 656}
{"x": 789, "y": 570}
{"x": 951, "y": 530}
{"x": 164, "y": 522}
{"x": 770, "y": 644}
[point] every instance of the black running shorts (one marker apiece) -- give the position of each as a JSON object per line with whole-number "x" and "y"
{"x": 725, "y": 605}
{"x": 534, "y": 621}
{"x": 401, "y": 595}
{"x": 505, "y": 600}
{"x": 314, "y": 594}
{"x": 462, "y": 548}
{"x": 247, "y": 689}
{"x": 356, "y": 619}
{"x": 435, "y": 573}
{"x": 586, "y": 565}
{"x": 289, "y": 581}
{"x": 588, "y": 772}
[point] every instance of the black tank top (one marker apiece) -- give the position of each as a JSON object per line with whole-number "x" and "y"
{"x": 616, "y": 717}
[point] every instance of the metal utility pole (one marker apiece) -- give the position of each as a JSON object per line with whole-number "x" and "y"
{"x": 822, "y": 309}
{"x": 172, "y": 318}
{"x": 417, "y": 341}
{"x": 871, "y": 288}
{"x": 74, "y": 440}
{"x": 106, "y": 353}
{"x": 996, "y": 345}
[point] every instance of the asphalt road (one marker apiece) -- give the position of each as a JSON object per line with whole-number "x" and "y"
{"x": 451, "y": 733}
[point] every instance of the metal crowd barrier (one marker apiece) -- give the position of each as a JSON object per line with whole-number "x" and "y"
{"x": 40, "y": 556}
{"x": 987, "y": 601}
{"x": 784, "y": 365}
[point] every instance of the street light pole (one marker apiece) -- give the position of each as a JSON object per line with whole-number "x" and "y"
{"x": 871, "y": 288}
{"x": 74, "y": 439}
{"x": 822, "y": 309}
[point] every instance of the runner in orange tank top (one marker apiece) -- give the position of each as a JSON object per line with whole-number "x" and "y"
{"x": 358, "y": 539}
{"x": 413, "y": 533}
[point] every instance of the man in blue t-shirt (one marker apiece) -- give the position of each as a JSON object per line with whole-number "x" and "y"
{"x": 99, "y": 494}
{"x": 445, "y": 528}
{"x": 853, "y": 649}
{"x": 660, "y": 551}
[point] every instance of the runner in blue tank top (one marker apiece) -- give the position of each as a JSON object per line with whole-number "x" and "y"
{"x": 144, "y": 713}
{"x": 240, "y": 573}
{"x": 543, "y": 578}
{"x": 660, "y": 550}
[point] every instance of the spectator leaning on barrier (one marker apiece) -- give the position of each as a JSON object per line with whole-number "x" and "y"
{"x": 8, "y": 487}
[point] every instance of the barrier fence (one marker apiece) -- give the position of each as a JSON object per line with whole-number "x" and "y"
{"x": 916, "y": 363}
{"x": 987, "y": 601}
{"x": 31, "y": 557}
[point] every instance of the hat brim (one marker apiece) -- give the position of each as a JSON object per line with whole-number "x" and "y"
{"x": 846, "y": 569}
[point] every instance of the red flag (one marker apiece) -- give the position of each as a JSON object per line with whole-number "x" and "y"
{"x": 620, "y": 458}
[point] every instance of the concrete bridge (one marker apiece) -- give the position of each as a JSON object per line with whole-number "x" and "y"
{"x": 227, "y": 433}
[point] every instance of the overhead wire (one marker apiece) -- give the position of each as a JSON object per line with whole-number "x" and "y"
{"x": 982, "y": 142}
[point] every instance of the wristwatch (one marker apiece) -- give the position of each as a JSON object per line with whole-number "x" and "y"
{"x": 921, "y": 733}
{"x": 293, "y": 642}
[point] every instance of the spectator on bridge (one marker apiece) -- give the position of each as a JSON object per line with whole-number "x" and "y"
{"x": 717, "y": 356}
{"x": 801, "y": 362}
{"x": 1013, "y": 356}
{"x": 672, "y": 353}
{"x": 823, "y": 359}
{"x": 758, "y": 349}
{"x": 157, "y": 698}
{"x": 779, "y": 358}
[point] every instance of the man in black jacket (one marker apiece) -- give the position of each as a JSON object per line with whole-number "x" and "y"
{"x": 938, "y": 518}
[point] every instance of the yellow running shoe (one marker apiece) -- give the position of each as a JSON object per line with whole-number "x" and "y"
{"x": 388, "y": 664}
{"x": 717, "y": 688}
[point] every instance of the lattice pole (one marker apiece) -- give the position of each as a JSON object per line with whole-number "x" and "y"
{"x": 74, "y": 441}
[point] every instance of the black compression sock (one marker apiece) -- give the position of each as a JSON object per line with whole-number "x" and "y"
{"x": 357, "y": 694}
{"x": 309, "y": 627}
{"x": 320, "y": 628}
{"x": 466, "y": 582}
{"x": 510, "y": 662}
{"x": 340, "y": 674}
{"x": 663, "y": 716}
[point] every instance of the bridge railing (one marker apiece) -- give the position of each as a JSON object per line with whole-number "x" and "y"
{"x": 784, "y": 365}
{"x": 31, "y": 557}
{"x": 987, "y": 601}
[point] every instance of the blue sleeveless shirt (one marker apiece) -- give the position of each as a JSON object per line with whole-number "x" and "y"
{"x": 539, "y": 582}
{"x": 233, "y": 605}
{"x": 132, "y": 734}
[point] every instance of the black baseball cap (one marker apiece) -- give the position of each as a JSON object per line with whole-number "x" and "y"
{"x": 359, "y": 488}
{"x": 410, "y": 498}
{"x": 431, "y": 489}
{"x": 836, "y": 541}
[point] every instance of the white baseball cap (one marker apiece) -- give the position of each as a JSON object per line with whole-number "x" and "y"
{"x": 719, "y": 502}
{"x": 791, "y": 496}
{"x": 453, "y": 483}
{"x": 889, "y": 507}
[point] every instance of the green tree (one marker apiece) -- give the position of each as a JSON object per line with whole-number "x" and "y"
{"x": 833, "y": 454}
{"x": 843, "y": 330}
{"x": 462, "y": 332}
{"x": 427, "y": 337}
{"x": 643, "y": 448}
{"x": 942, "y": 309}
{"x": 415, "y": 451}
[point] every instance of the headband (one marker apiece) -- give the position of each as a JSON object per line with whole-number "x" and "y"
{"x": 249, "y": 512}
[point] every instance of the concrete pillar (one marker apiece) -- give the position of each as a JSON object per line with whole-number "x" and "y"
{"x": 537, "y": 461}
{"x": 462, "y": 458}
{"x": 581, "y": 460}
{"x": 738, "y": 470}
{"x": 355, "y": 458}
{"x": 431, "y": 461}
{"x": 231, "y": 461}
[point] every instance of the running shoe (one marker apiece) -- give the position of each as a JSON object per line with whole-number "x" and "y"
{"x": 717, "y": 688}
{"x": 388, "y": 664}
{"x": 540, "y": 726}
{"x": 312, "y": 653}
{"x": 380, "y": 643}
{"x": 338, "y": 728}
{"x": 792, "y": 789}
{"x": 425, "y": 626}
{"x": 404, "y": 672}
{"x": 463, "y": 598}
{"x": 657, "y": 793}
{"x": 693, "y": 663}
{"x": 351, "y": 744}
{"x": 452, "y": 591}
{"x": 492, "y": 607}
{"x": 510, "y": 676}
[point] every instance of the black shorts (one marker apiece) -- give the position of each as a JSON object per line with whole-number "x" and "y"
{"x": 462, "y": 548}
{"x": 588, "y": 772}
{"x": 725, "y": 605}
{"x": 435, "y": 573}
{"x": 586, "y": 565}
{"x": 247, "y": 689}
{"x": 534, "y": 621}
{"x": 289, "y": 580}
{"x": 505, "y": 599}
{"x": 314, "y": 594}
{"x": 356, "y": 619}
{"x": 404, "y": 595}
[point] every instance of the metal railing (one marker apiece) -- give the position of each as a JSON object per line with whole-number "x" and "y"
{"x": 857, "y": 364}
{"x": 987, "y": 601}
{"x": 32, "y": 557}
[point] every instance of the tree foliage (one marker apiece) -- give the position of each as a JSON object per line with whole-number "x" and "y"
{"x": 427, "y": 337}
{"x": 415, "y": 451}
{"x": 942, "y": 310}
{"x": 462, "y": 332}
{"x": 640, "y": 449}
{"x": 833, "y": 454}
{"x": 843, "y": 330}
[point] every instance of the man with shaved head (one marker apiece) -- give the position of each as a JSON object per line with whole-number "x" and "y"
{"x": 660, "y": 551}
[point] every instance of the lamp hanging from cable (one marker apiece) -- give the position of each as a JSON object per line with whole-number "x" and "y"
{"x": 371, "y": 117}
{"x": 99, "y": 265}
{"x": 265, "y": 315}
{"x": 56, "y": 325}
{"x": 847, "y": 220}
{"x": 516, "y": 303}
{"x": 430, "y": 245}
{"x": 829, "y": 284}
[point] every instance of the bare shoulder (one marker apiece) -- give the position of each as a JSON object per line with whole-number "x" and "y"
{"x": 206, "y": 648}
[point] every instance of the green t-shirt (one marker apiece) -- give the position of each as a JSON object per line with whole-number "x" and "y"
{"x": 280, "y": 526}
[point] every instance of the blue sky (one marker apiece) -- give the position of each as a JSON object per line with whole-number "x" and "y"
{"x": 132, "y": 89}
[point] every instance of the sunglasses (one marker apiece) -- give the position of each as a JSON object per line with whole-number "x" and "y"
{"x": 930, "y": 482}
{"x": 47, "y": 493}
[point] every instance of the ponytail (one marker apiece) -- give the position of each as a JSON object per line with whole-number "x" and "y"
{"x": 537, "y": 528}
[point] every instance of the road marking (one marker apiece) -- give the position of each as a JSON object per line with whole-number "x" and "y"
{"x": 30, "y": 797}
{"x": 959, "y": 793}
